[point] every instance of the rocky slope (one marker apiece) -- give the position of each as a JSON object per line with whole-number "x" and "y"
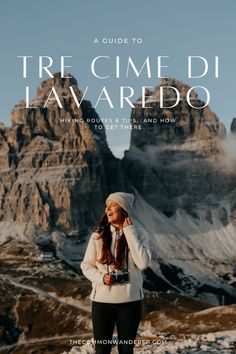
{"x": 53, "y": 173}
{"x": 45, "y": 308}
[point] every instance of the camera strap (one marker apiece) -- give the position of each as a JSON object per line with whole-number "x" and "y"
{"x": 126, "y": 261}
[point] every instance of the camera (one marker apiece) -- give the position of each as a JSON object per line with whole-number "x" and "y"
{"x": 119, "y": 276}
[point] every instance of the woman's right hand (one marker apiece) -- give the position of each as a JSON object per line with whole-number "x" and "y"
{"x": 107, "y": 279}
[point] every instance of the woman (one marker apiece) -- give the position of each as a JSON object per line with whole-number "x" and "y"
{"x": 116, "y": 254}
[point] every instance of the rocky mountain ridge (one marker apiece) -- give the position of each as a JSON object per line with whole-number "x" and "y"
{"x": 55, "y": 174}
{"x": 174, "y": 125}
{"x": 182, "y": 161}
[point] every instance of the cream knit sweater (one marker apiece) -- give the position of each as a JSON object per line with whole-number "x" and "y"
{"x": 139, "y": 259}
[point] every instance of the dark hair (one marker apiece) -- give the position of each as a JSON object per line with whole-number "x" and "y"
{"x": 104, "y": 231}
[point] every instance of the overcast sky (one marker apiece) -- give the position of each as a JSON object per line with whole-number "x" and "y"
{"x": 171, "y": 28}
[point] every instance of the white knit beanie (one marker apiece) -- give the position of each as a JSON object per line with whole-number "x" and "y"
{"x": 125, "y": 200}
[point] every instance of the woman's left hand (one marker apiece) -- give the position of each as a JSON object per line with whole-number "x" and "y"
{"x": 127, "y": 222}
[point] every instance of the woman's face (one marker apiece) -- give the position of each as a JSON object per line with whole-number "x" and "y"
{"x": 114, "y": 213}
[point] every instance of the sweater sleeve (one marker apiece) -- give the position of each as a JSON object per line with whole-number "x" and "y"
{"x": 138, "y": 244}
{"x": 88, "y": 265}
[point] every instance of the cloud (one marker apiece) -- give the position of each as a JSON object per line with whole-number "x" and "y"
{"x": 188, "y": 155}
{"x": 229, "y": 151}
{"x": 155, "y": 157}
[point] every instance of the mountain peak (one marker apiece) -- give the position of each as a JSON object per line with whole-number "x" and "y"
{"x": 61, "y": 86}
{"x": 175, "y": 123}
{"x": 55, "y": 163}
{"x": 59, "y": 82}
{"x": 56, "y": 110}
